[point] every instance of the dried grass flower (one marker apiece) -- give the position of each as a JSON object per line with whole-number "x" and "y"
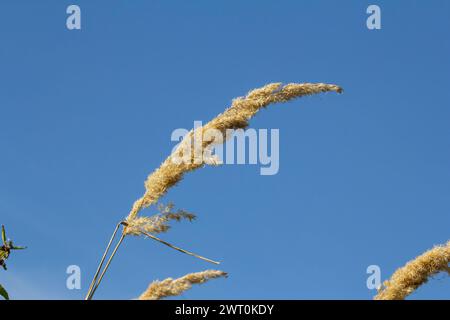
{"x": 159, "y": 222}
{"x": 237, "y": 116}
{"x": 415, "y": 273}
{"x": 174, "y": 287}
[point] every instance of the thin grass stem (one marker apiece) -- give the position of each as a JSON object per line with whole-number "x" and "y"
{"x": 102, "y": 260}
{"x": 177, "y": 248}
{"x": 106, "y": 266}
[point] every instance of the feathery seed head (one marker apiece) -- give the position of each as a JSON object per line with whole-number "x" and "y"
{"x": 174, "y": 287}
{"x": 157, "y": 223}
{"x": 407, "y": 279}
{"x": 237, "y": 116}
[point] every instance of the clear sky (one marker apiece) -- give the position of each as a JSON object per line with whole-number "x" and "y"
{"x": 87, "y": 114}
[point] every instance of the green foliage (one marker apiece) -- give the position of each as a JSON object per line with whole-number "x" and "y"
{"x": 3, "y": 234}
{"x": 3, "y": 293}
{"x": 5, "y": 251}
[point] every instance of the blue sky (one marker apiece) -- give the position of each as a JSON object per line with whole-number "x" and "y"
{"x": 87, "y": 114}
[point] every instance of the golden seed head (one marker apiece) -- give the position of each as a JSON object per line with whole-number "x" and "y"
{"x": 237, "y": 116}
{"x": 407, "y": 279}
{"x": 174, "y": 287}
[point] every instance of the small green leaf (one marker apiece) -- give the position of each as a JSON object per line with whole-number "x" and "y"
{"x": 18, "y": 248}
{"x": 3, "y": 255}
{"x": 3, "y": 234}
{"x": 3, "y": 293}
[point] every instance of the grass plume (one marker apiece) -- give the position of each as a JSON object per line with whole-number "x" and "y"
{"x": 157, "y": 223}
{"x": 235, "y": 117}
{"x": 174, "y": 287}
{"x": 415, "y": 273}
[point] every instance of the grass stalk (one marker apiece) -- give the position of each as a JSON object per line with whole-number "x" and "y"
{"x": 94, "y": 283}
{"x": 106, "y": 266}
{"x": 178, "y": 248}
